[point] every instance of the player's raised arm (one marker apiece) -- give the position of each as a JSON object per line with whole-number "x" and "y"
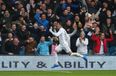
{"x": 58, "y": 27}
{"x": 71, "y": 34}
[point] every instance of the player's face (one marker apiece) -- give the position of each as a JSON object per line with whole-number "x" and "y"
{"x": 58, "y": 26}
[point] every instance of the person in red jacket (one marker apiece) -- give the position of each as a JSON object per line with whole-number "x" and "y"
{"x": 100, "y": 47}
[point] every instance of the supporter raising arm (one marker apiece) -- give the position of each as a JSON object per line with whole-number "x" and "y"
{"x": 100, "y": 47}
{"x": 43, "y": 46}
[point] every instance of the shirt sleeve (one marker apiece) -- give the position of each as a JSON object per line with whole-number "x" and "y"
{"x": 37, "y": 18}
{"x": 71, "y": 34}
{"x": 56, "y": 33}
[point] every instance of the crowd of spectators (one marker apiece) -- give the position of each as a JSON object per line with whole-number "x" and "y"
{"x": 24, "y": 26}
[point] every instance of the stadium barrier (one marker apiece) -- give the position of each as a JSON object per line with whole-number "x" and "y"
{"x": 16, "y": 63}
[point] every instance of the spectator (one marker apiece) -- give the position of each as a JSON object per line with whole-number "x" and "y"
{"x": 88, "y": 22}
{"x": 51, "y": 16}
{"x": 7, "y": 19}
{"x": 15, "y": 47}
{"x": 92, "y": 7}
{"x": 1, "y": 43}
{"x": 23, "y": 33}
{"x": 54, "y": 45}
{"x": 42, "y": 32}
{"x": 30, "y": 46}
{"x": 95, "y": 28}
{"x": 43, "y": 7}
{"x": 82, "y": 13}
{"x": 66, "y": 16}
{"x": 2, "y": 9}
{"x": 82, "y": 43}
{"x": 114, "y": 17}
{"x": 43, "y": 46}
{"x": 21, "y": 22}
{"x": 108, "y": 25}
{"x": 103, "y": 15}
{"x": 35, "y": 31}
{"x": 14, "y": 30}
{"x": 24, "y": 14}
{"x": 109, "y": 13}
{"x": 100, "y": 47}
{"x": 30, "y": 7}
{"x": 1, "y": 2}
{"x": 112, "y": 49}
{"x": 68, "y": 27}
{"x": 42, "y": 21}
{"x": 61, "y": 6}
{"x": 77, "y": 23}
{"x": 7, "y": 46}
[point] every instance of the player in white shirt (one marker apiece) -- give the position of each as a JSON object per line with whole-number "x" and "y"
{"x": 64, "y": 42}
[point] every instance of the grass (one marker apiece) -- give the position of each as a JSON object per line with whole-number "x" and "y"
{"x": 60, "y": 73}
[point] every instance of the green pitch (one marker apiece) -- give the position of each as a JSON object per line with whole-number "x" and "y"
{"x": 59, "y": 73}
